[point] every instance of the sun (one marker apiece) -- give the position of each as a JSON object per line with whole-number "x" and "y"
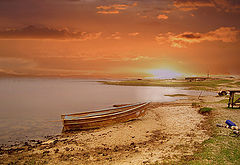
{"x": 164, "y": 73}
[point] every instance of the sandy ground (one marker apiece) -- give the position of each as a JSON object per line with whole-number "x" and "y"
{"x": 166, "y": 133}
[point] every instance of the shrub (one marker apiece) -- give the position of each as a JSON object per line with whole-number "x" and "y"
{"x": 205, "y": 110}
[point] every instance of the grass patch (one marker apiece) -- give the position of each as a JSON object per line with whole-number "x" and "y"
{"x": 205, "y": 110}
{"x": 227, "y": 99}
{"x": 223, "y": 101}
{"x": 194, "y": 85}
{"x": 162, "y": 83}
{"x": 218, "y": 150}
{"x": 230, "y": 108}
{"x": 236, "y": 96}
{"x": 202, "y": 88}
{"x": 229, "y": 86}
{"x": 177, "y": 95}
{"x": 237, "y": 83}
{"x": 221, "y": 148}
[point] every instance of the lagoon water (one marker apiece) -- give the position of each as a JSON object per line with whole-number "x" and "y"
{"x": 31, "y": 108}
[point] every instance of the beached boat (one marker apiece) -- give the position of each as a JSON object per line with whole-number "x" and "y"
{"x": 101, "y": 118}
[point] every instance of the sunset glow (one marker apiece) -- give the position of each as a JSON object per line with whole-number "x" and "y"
{"x": 111, "y": 39}
{"x": 165, "y": 74}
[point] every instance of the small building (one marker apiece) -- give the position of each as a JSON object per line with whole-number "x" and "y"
{"x": 196, "y": 78}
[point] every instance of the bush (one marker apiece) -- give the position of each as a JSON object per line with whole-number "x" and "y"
{"x": 205, "y": 110}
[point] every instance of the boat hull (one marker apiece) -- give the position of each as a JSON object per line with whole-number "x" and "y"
{"x": 105, "y": 120}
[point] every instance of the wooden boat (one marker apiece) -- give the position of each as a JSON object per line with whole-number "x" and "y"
{"x": 101, "y": 118}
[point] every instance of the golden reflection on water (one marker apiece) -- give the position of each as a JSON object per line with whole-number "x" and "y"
{"x": 27, "y": 105}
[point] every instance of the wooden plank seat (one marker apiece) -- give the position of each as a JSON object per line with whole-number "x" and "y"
{"x": 231, "y": 101}
{"x": 100, "y": 118}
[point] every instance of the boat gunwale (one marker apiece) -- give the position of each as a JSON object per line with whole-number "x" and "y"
{"x": 102, "y": 120}
{"x": 107, "y": 113}
{"x": 121, "y": 113}
{"x": 101, "y": 110}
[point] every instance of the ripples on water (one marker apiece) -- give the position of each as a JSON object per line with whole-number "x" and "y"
{"x": 28, "y": 107}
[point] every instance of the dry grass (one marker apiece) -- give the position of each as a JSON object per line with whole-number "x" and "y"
{"x": 195, "y": 85}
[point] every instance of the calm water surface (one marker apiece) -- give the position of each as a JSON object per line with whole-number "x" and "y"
{"x": 29, "y": 108}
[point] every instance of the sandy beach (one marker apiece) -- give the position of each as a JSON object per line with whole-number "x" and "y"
{"x": 167, "y": 133}
{"x": 67, "y": 67}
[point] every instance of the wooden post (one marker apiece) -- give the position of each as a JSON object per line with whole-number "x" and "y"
{"x": 230, "y": 97}
{"x": 231, "y": 101}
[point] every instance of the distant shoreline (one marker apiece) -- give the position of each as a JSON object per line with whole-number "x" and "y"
{"x": 207, "y": 85}
{"x": 152, "y": 138}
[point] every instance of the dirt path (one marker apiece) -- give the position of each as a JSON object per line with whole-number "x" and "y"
{"x": 165, "y": 133}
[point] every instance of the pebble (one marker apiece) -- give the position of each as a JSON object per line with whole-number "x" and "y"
{"x": 67, "y": 149}
{"x": 55, "y": 142}
{"x": 146, "y": 161}
{"x": 133, "y": 145}
{"x": 56, "y": 150}
{"x": 46, "y": 152}
{"x": 115, "y": 149}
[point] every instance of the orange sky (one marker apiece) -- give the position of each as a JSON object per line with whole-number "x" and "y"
{"x": 111, "y": 39}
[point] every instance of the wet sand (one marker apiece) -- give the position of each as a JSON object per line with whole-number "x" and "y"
{"x": 168, "y": 132}
{"x": 29, "y": 105}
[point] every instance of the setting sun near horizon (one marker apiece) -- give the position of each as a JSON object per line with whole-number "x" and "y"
{"x": 119, "y": 39}
{"x": 165, "y": 74}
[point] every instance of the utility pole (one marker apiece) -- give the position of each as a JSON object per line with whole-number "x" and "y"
{"x": 208, "y": 74}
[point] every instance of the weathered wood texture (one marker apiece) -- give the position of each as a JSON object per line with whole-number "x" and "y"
{"x": 101, "y": 118}
{"x": 231, "y": 102}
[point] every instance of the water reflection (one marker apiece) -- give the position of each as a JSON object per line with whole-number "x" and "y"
{"x": 28, "y": 106}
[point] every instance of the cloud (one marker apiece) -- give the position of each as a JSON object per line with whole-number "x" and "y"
{"x": 152, "y": 8}
{"x": 7, "y": 73}
{"x": 15, "y": 66}
{"x": 227, "y": 5}
{"x": 162, "y": 16}
{"x": 133, "y": 34}
{"x": 224, "y": 34}
{"x": 138, "y": 58}
{"x": 115, "y": 6}
{"x": 37, "y": 32}
{"x": 113, "y": 9}
{"x": 221, "y": 5}
{"x": 188, "y": 5}
{"x": 167, "y": 11}
{"x": 115, "y": 36}
{"x": 108, "y": 12}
